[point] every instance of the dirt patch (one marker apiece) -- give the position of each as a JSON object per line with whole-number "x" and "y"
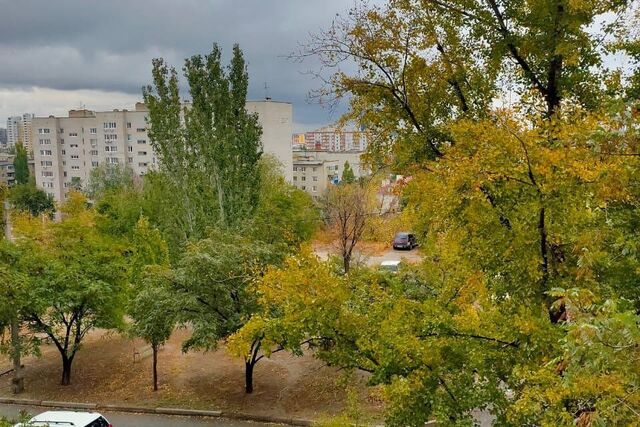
{"x": 104, "y": 371}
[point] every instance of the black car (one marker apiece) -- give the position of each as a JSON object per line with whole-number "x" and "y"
{"x": 405, "y": 241}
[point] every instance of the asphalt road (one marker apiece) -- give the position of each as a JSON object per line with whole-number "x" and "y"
{"x": 119, "y": 419}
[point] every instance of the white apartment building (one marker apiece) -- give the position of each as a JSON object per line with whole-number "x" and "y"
{"x": 66, "y": 149}
{"x": 19, "y": 130}
{"x": 276, "y": 120}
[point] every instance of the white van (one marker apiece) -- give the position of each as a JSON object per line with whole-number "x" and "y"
{"x": 67, "y": 418}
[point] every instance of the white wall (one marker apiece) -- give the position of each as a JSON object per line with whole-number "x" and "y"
{"x": 276, "y": 121}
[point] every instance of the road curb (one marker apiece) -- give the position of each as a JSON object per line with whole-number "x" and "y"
{"x": 188, "y": 412}
{"x": 70, "y": 405}
{"x": 267, "y": 419}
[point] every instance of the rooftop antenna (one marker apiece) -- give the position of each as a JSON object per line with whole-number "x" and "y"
{"x": 266, "y": 92}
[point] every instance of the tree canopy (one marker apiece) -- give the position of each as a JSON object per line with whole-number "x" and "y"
{"x": 21, "y": 164}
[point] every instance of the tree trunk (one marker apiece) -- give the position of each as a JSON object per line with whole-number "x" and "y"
{"x": 154, "y": 347}
{"x": 248, "y": 377}
{"x": 66, "y": 370}
{"x": 17, "y": 383}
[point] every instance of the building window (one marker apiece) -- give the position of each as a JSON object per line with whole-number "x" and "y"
{"x": 304, "y": 178}
{"x": 94, "y": 152}
{"x": 130, "y": 149}
{"x": 128, "y": 125}
{"x": 302, "y": 169}
{"x": 303, "y": 187}
{"x": 109, "y": 125}
{"x": 75, "y": 168}
{"x": 47, "y": 184}
{"x": 42, "y": 131}
{"x": 93, "y": 131}
{"x": 315, "y": 178}
{"x": 142, "y": 141}
{"x": 73, "y": 145}
{"x": 141, "y": 130}
{"x": 143, "y": 164}
{"x": 75, "y": 156}
{"x": 315, "y": 188}
{"x": 47, "y": 174}
{"x": 111, "y": 149}
{"x": 129, "y": 137}
{"x": 295, "y": 169}
{"x": 64, "y": 152}
{"x": 112, "y": 160}
{"x": 315, "y": 168}
{"x": 45, "y": 141}
{"x": 46, "y": 152}
{"x": 94, "y": 164}
{"x": 295, "y": 178}
{"x": 110, "y": 137}
{"x": 130, "y": 159}
{"x": 73, "y": 133}
{"x": 46, "y": 163}
{"x": 142, "y": 153}
{"x": 61, "y": 130}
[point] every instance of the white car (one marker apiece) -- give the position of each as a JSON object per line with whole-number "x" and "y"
{"x": 67, "y": 418}
{"x": 392, "y": 266}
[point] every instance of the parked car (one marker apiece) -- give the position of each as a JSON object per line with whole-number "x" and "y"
{"x": 392, "y": 266}
{"x": 404, "y": 240}
{"x": 67, "y": 418}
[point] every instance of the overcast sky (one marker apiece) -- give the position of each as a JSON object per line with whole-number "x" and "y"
{"x": 60, "y": 54}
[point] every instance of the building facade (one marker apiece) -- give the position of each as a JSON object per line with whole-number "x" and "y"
{"x": 3, "y": 138}
{"x": 315, "y": 170}
{"x": 67, "y": 149}
{"x": 331, "y": 139}
{"x": 19, "y": 129}
{"x": 7, "y": 172}
{"x": 276, "y": 120}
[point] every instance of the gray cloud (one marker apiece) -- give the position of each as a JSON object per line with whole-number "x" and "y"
{"x": 108, "y": 45}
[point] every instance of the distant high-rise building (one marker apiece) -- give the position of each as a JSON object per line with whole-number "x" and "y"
{"x": 19, "y": 130}
{"x": 3, "y": 138}
{"x": 331, "y": 139}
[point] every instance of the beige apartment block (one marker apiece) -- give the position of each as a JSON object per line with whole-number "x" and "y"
{"x": 315, "y": 170}
{"x": 66, "y": 149}
{"x": 314, "y": 176}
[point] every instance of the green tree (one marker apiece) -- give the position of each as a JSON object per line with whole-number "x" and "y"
{"x": 29, "y": 198}
{"x": 107, "y": 178}
{"x": 14, "y": 291}
{"x": 213, "y": 282}
{"x": 153, "y": 310}
{"x": 348, "y": 177}
{"x": 284, "y": 213}
{"x": 77, "y": 278}
{"x": 209, "y": 149}
{"x": 21, "y": 164}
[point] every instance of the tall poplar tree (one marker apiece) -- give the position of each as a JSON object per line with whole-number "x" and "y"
{"x": 21, "y": 164}
{"x": 209, "y": 147}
